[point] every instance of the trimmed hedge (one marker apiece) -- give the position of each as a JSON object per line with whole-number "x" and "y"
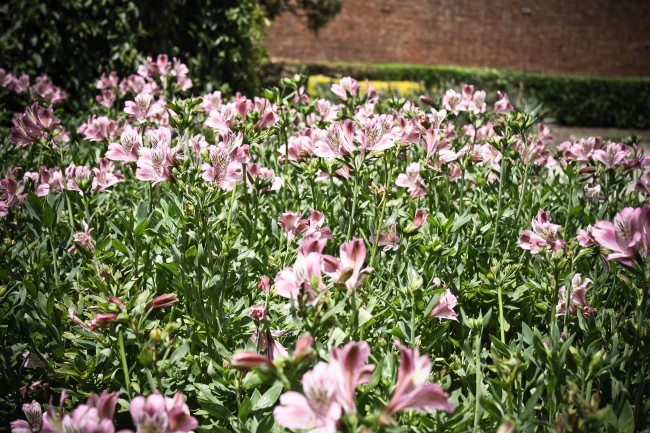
{"x": 572, "y": 99}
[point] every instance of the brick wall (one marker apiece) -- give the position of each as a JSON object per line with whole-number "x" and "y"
{"x": 593, "y": 37}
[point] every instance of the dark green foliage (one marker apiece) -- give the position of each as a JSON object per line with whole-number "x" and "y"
{"x": 571, "y": 99}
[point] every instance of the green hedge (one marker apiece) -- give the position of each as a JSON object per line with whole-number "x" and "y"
{"x": 571, "y": 99}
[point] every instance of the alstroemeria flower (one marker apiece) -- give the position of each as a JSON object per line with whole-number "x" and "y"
{"x": 578, "y": 297}
{"x": 347, "y": 86}
{"x": 544, "y": 236}
{"x": 348, "y": 270}
{"x": 503, "y": 105}
{"x": 315, "y": 230}
{"x": 412, "y": 181}
{"x": 412, "y": 391}
{"x": 104, "y": 177}
{"x": 99, "y": 128}
{"x": 128, "y": 149}
{"x": 352, "y": 371}
{"x": 33, "y": 125}
{"x": 306, "y": 274}
{"x": 34, "y": 422}
{"x": 444, "y": 309}
{"x": 143, "y": 108}
{"x": 83, "y": 238}
{"x": 338, "y": 141}
{"x": 96, "y": 416}
{"x": 155, "y": 164}
{"x": 628, "y": 237}
{"x": 292, "y": 224}
{"x": 161, "y": 414}
{"x": 388, "y": 238}
{"x": 49, "y": 180}
{"x": 317, "y": 410}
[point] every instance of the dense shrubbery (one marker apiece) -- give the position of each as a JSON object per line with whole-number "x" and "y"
{"x": 570, "y": 99}
{"x": 368, "y": 264}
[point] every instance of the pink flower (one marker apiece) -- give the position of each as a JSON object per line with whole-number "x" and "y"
{"x": 378, "y": 134}
{"x": 305, "y": 277}
{"x": 127, "y": 150}
{"x": 643, "y": 184}
{"x": 155, "y": 164}
{"x": 346, "y": 87}
{"x": 412, "y": 181}
{"x": 160, "y": 414}
{"x": 411, "y": 391}
{"x": 258, "y": 312}
{"x": 33, "y": 125}
{"x": 263, "y": 178}
{"x": 544, "y": 236}
{"x": 96, "y": 416}
{"x": 78, "y": 178}
{"x": 101, "y": 320}
{"x": 348, "y": 270}
{"x": 578, "y": 297}
{"x": 439, "y": 150}
{"x": 264, "y": 284}
{"x": 628, "y": 238}
{"x": 419, "y": 219}
{"x": 143, "y": 107}
{"x": 248, "y": 360}
{"x": 83, "y": 238}
{"x": 225, "y": 166}
{"x": 269, "y": 344}
{"x": 352, "y": 371}
{"x": 292, "y": 224}
{"x": 444, "y": 309}
{"x": 162, "y": 301}
{"x": 317, "y": 410}
{"x": 10, "y": 195}
{"x": 99, "y": 128}
{"x": 452, "y": 101}
{"x": 338, "y": 141}
{"x": 316, "y": 231}
{"x": 104, "y": 177}
{"x": 502, "y": 106}
{"x": 34, "y": 423}
{"x": 44, "y": 90}
{"x": 585, "y": 238}
{"x": 388, "y": 238}
{"x": 49, "y": 180}
{"x": 612, "y": 155}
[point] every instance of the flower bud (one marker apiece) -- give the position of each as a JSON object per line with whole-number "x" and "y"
{"x": 162, "y": 301}
{"x": 155, "y": 335}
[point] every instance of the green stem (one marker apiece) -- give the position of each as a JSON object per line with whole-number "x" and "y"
{"x": 354, "y": 204}
{"x": 379, "y": 223}
{"x": 477, "y": 371}
{"x": 125, "y": 368}
{"x": 502, "y": 326}
{"x": 502, "y": 179}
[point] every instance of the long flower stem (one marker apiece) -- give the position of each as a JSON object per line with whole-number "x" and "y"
{"x": 125, "y": 367}
{"x": 502, "y": 179}
{"x": 479, "y": 379}
{"x": 354, "y": 204}
{"x": 502, "y": 325}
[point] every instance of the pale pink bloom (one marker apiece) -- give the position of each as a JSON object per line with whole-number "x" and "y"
{"x": 101, "y": 321}
{"x": 33, "y": 125}
{"x": 180, "y": 71}
{"x": 412, "y": 391}
{"x": 412, "y": 181}
{"x": 264, "y": 285}
{"x": 347, "y": 86}
{"x": 475, "y": 101}
{"x": 581, "y": 150}
{"x": 269, "y": 344}
{"x": 267, "y": 112}
{"x": 96, "y": 416}
{"x": 348, "y": 270}
{"x": 350, "y": 363}
{"x": 106, "y": 98}
{"x": 487, "y": 156}
{"x": 17, "y": 85}
{"x": 419, "y": 219}
{"x": 258, "y": 312}
{"x": 248, "y": 360}
{"x": 643, "y": 184}
{"x": 388, "y": 238}
{"x": 104, "y": 177}
{"x": 612, "y": 155}
{"x": 628, "y": 238}
{"x": 225, "y": 166}
{"x": 264, "y": 178}
{"x": 10, "y": 195}
{"x": 142, "y": 108}
{"x": 162, "y": 301}
{"x": 452, "y": 102}
{"x": 83, "y": 238}
{"x": 444, "y": 309}
{"x": 317, "y": 410}
{"x": 544, "y": 236}
{"x": 326, "y": 112}
{"x": 503, "y": 105}
{"x": 300, "y": 148}
{"x": 197, "y": 143}
{"x": 109, "y": 81}
{"x": 594, "y": 193}
{"x": 99, "y": 128}
{"x": 585, "y": 238}
{"x": 161, "y": 414}
{"x": 338, "y": 141}
{"x": 155, "y": 164}
{"x": 439, "y": 150}
{"x": 578, "y": 297}
{"x": 34, "y": 422}
{"x": 222, "y": 118}
{"x": 44, "y": 90}
{"x": 212, "y": 101}
{"x": 455, "y": 173}
{"x": 304, "y": 345}
{"x": 316, "y": 230}
{"x": 78, "y": 178}
{"x": 128, "y": 149}
{"x": 137, "y": 84}
{"x": 305, "y": 277}
{"x": 378, "y": 134}
{"x": 292, "y": 224}
{"x": 49, "y": 180}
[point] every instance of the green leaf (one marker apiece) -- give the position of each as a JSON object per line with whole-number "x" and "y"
{"x": 269, "y": 397}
